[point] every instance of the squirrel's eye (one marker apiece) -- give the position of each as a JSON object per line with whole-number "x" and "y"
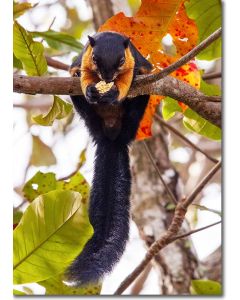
{"x": 94, "y": 59}
{"x": 122, "y": 61}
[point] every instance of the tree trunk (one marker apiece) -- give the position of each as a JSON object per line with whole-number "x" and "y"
{"x": 152, "y": 210}
{"x": 102, "y": 10}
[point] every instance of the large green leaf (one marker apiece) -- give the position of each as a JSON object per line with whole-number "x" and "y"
{"x": 56, "y": 286}
{"x": 20, "y": 8}
{"x": 42, "y": 154}
{"x": 205, "y": 287}
{"x": 59, "y": 110}
{"x": 51, "y": 233}
{"x": 59, "y": 40}
{"x": 42, "y": 183}
{"x": 169, "y": 108}
{"x": 207, "y": 15}
{"x": 30, "y": 53}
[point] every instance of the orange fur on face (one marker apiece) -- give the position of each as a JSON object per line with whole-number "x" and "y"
{"x": 88, "y": 68}
{"x": 123, "y": 80}
{"x": 125, "y": 77}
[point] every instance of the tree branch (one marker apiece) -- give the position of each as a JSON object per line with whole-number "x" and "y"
{"x": 166, "y": 238}
{"x": 205, "y": 106}
{"x": 212, "y": 75}
{"x": 56, "y": 64}
{"x": 180, "y": 236}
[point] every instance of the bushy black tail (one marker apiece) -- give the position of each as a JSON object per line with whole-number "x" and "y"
{"x": 109, "y": 199}
{"x": 108, "y": 214}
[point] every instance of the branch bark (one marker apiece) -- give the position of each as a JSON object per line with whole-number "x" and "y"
{"x": 206, "y": 106}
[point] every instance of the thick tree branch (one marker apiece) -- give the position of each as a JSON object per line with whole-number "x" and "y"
{"x": 165, "y": 239}
{"x": 205, "y": 106}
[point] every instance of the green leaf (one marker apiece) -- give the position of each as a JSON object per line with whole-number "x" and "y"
{"x": 169, "y": 108}
{"x": 59, "y": 110}
{"x": 207, "y": 14}
{"x": 39, "y": 184}
{"x": 76, "y": 183}
{"x": 42, "y": 154}
{"x": 196, "y": 123}
{"x": 55, "y": 286}
{"x": 29, "y": 52}
{"x": 19, "y": 293}
{"x": 52, "y": 232}
{"x": 17, "y": 63}
{"x": 20, "y": 8}
{"x": 59, "y": 40}
{"x": 42, "y": 183}
{"x": 209, "y": 89}
{"x": 170, "y": 206}
{"x": 205, "y": 287}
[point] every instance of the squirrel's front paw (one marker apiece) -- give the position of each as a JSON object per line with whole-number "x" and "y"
{"x": 110, "y": 96}
{"x": 92, "y": 94}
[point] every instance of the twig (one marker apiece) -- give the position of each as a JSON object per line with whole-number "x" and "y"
{"x": 212, "y": 75}
{"x": 49, "y": 27}
{"x": 30, "y": 105}
{"x": 15, "y": 209}
{"x": 170, "y": 193}
{"x": 184, "y": 59}
{"x": 56, "y": 64}
{"x": 138, "y": 286}
{"x": 202, "y": 207}
{"x": 201, "y": 185}
{"x": 180, "y": 236}
{"x": 181, "y": 136}
{"x": 165, "y": 239}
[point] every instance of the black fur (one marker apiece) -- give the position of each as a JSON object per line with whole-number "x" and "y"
{"x": 109, "y": 199}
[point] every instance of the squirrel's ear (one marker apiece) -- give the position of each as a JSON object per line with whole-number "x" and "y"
{"x": 126, "y": 42}
{"x": 91, "y": 40}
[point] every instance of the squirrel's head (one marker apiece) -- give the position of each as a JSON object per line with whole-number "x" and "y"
{"x": 109, "y": 54}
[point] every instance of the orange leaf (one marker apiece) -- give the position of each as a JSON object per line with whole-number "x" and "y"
{"x": 144, "y": 129}
{"x": 148, "y": 26}
{"x": 146, "y": 29}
